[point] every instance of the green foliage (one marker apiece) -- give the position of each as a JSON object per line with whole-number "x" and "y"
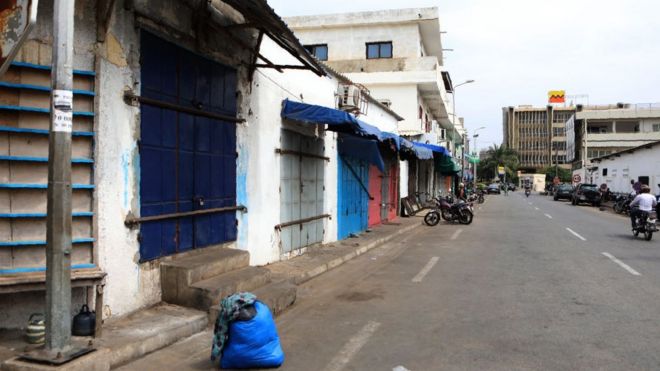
{"x": 499, "y": 156}
{"x": 564, "y": 174}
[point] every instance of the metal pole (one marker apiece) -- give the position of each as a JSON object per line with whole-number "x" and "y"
{"x": 58, "y": 222}
{"x": 476, "y": 149}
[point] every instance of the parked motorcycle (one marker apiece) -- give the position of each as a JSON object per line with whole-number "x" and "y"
{"x": 646, "y": 224}
{"x": 527, "y": 192}
{"x": 460, "y": 211}
{"x": 622, "y": 203}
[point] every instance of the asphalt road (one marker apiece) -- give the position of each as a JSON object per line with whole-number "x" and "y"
{"x": 516, "y": 290}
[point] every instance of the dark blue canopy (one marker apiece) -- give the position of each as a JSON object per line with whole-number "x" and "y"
{"x": 336, "y": 120}
{"x": 361, "y": 149}
{"x": 434, "y": 148}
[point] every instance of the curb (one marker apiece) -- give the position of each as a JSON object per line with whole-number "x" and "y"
{"x": 334, "y": 263}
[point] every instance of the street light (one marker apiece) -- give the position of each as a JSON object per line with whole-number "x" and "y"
{"x": 453, "y": 113}
{"x": 476, "y": 150}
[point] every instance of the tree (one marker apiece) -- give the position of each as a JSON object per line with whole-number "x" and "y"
{"x": 499, "y": 156}
{"x": 564, "y": 174}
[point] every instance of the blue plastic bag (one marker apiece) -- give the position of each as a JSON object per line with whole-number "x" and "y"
{"x": 253, "y": 343}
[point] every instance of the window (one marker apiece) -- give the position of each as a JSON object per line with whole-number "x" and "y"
{"x": 320, "y": 51}
{"x": 421, "y": 112}
{"x": 605, "y": 172}
{"x": 379, "y": 50}
{"x": 427, "y": 123}
{"x": 656, "y": 127}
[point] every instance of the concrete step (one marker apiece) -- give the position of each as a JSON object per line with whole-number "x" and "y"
{"x": 209, "y": 292}
{"x": 277, "y": 295}
{"x": 177, "y": 275}
{"x": 148, "y": 330}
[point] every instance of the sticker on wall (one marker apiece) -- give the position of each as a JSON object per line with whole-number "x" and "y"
{"x": 62, "y": 110}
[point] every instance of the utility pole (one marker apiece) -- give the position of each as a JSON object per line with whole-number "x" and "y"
{"x": 58, "y": 222}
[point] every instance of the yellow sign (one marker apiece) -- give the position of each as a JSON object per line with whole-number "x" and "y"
{"x": 556, "y": 96}
{"x": 500, "y": 170}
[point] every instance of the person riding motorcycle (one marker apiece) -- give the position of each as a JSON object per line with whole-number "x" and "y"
{"x": 528, "y": 189}
{"x": 643, "y": 203}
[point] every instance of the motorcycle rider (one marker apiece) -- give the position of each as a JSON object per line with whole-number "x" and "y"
{"x": 643, "y": 203}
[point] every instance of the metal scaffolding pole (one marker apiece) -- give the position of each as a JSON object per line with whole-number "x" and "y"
{"x": 58, "y": 222}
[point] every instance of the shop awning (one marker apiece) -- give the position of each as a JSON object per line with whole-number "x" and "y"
{"x": 336, "y": 120}
{"x": 437, "y": 149}
{"x": 446, "y": 165}
{"x": 361, "y": 149}
{"x": 404, "y": 145}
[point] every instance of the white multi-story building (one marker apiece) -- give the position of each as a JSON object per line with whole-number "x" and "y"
{"x": 608, "y": 129}
{"x": 397, "y": 55}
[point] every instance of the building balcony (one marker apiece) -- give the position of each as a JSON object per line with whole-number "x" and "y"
{"x": 618, "y": 140}
{"x": 424, "y": 72}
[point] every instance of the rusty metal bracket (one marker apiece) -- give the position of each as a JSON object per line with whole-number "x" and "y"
{"x": 298, "y": 153}
{"x": 134, "y": 100}
{"x": 302, "y": 221}
{"x": 132, "y": 221}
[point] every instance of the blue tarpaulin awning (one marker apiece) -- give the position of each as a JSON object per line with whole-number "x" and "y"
{"x": 336, "y": 120}
{"x": 434, "y": 148}
{"x": 361, "y": 149}
{"x": 344, "y": 122}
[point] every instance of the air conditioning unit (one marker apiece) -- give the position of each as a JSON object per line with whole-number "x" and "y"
{"x": 386, "y": 102}
{"x": 349, "y": 97}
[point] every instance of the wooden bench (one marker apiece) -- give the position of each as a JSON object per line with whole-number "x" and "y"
{"x": 93, "y": 279}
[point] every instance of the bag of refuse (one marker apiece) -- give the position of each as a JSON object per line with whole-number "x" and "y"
{"x": 253, "y": 343}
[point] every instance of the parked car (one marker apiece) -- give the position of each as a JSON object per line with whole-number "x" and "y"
{"x": 512, "y": 187}
{"x": 563, "y": 192}
{"x": 586, "y": 193}
{"x": 493, "y": 188}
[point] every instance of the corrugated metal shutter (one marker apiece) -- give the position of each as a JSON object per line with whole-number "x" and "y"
{"x": 302, "y": 189}
{"x": 187, "y": 162}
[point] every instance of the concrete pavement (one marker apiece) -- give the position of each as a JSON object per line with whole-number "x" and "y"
{"x": 527, "y": 286}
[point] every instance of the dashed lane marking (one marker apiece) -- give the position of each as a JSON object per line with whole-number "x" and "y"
{"x": 622, "y": 264}
{"x": 456, "y": 234}
{"x": 536, "y": 208}
{"x": 352, "y": 347}
{"x": 549, "y": 216}
{"x": 427, "y": 268}
{"x": 576, "y": 234}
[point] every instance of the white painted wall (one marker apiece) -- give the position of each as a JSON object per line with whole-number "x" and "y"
{"x": 259, "y": 167}
{"x": 349, "y": 42}
{"x": 629, "y": 166}
{"x": 404, "y": 100}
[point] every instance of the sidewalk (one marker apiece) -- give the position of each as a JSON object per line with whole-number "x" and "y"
{"x": 177, "y": 329}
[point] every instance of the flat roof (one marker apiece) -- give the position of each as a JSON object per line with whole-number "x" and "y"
{"x": 625, "y": 151}
{"x": 428, "y": 20}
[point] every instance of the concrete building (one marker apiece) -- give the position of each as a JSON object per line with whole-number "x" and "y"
{"x": 397, "y": 56}
{"x": 163, "y": 132}
{"x": 182, "y": 156}
{"x": 538, "y": 135}
{"x": 606, "y": 129}
{"x": 618, "y": 169}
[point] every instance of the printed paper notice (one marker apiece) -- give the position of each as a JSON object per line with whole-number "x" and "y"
{"x": 62, "y": 110}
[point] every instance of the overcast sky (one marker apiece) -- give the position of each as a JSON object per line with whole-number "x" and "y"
{"x": 517, "y": 50}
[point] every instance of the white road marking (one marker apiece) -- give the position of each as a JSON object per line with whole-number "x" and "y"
{"x": 427, "y": 268}
{"x": 400, "y": 368}
{"x": 576, "y": 234}
{"x": 530, "y": 203}
{"x": 622, "y": 264}
{"x": 536, "y": 208}
{"x": 549, "y": 216}
{"x": 352, "y": 347}
{"x": 456, "y": 234}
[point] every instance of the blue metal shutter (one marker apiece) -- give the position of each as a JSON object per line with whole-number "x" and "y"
{"x": 188, "y": 162}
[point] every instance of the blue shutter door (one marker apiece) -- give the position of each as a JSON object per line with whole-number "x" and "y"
{"x": 187, "y": 162}
{"x": 353, "y": 201}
